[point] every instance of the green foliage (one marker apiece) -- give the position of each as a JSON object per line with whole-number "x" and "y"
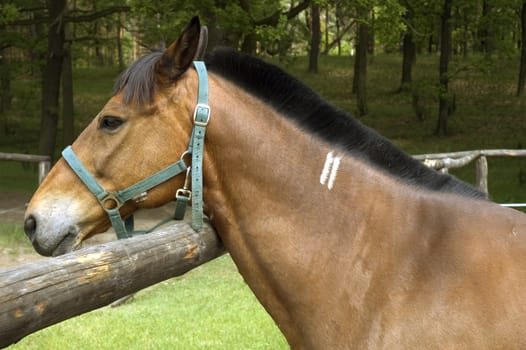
{"x": 8, "y": 12}
{"x": 160, "y": 22}
{"x": 233, "y": 18}
{"x": 278, "y": 40}
{"x": 388, "y": 23}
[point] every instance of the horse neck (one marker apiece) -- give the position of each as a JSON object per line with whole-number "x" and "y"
{"x": 278, "y": 203}
{"x": 259, "y": 162}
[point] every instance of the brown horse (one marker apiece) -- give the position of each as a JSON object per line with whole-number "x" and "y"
{"x": 345, "y": 240}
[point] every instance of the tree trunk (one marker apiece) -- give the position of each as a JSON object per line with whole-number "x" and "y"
{"x": 445, "y": 50}
{"x": 408, "y": 60}
{"x": 371, "y": 41}
{"x": 68, "y": 121}
{"x": 119, "y": 44}
{"x": 5, "y": 78}
{"x": 360, "y": 64}
{"x": 338, "y": 36}
{"x": 51, "y": 78}
{"x": 486, "y": 33}
{"x": 327, "y": 48}
{"x": 5, "y": 99}
{"x": 35, "y": 296}
{"x": 465, "y": 33}
{"x": 315, "y": 30}
{"x": 430, "y": 44}
{"x": 522, "y": 69}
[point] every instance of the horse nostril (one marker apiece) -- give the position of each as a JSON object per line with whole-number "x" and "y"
{"x": 30, "y": 226}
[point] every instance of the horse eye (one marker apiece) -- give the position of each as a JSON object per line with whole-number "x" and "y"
{"x": 110, "y": 123}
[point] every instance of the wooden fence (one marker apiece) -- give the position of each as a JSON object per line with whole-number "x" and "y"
{"x": 445, "y": 161}
{"x": 37, "y": 295}
{"x": 44, "y": 163}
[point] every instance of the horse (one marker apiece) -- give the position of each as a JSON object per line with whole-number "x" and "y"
{"x": 347, "y": 242}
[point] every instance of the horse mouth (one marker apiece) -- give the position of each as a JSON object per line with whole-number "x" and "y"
{"x": 66, "y": 245}
{"x": 70, "y": 242}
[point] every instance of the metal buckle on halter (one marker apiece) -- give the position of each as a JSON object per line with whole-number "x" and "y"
{"x": 183, "y": 193}
{"x": 106, "y": 202}
{"x": 200, "y": 122}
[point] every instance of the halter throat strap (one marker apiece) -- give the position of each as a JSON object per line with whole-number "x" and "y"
{"x": 111, "y": 202}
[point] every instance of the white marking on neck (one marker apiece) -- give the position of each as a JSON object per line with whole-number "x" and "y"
{"x": 334, "y": 172}
{"x": 330, "y": 170}
{"x": 326, "y": 168}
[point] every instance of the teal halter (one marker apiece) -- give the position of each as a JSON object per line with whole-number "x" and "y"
{"x": 111, "y": 202}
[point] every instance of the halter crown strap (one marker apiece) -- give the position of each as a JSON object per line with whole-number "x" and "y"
{"x": 201, "y": 119}
{"x": 111, "y": 202}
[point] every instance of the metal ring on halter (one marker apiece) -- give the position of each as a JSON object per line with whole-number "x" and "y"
{"x": 113, "y": 201}
{"x": 185, "y": 153}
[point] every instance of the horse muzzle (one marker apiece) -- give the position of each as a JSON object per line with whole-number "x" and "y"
{"x": 52, "y": 229}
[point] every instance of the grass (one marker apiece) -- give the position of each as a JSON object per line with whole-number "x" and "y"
{"x": 211, "y": 307}
{"x": 13, "y": 240}
{"x": 208, "y": 308}
{"x": 12, "y": 235}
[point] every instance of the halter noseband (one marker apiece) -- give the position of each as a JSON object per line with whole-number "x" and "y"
{"x": 111, "y": 202}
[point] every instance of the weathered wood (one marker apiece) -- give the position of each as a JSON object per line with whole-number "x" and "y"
{"x": 445, "y": 161}
{"x": 481, "y": 174}
{"x": 43, "y": 169}
{"x": 450, "y": 163}
{"x": 486, "y": 152}
{"x": 23, "y": 157}
{"x": 37, "y": 295}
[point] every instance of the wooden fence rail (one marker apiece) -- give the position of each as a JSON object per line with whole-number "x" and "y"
{"x": 37, "y": 295}
{"x": 44, "y": 163}
{"x": 445, "y": 161}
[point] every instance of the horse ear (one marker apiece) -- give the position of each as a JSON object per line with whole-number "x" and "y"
{"x": 179, "y": 56}
{"x": 203, "y": 43}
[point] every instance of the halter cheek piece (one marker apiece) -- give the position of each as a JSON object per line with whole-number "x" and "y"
{"x": 111, "y": 202}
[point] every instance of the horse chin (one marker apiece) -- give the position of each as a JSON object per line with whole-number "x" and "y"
{"x": 67, "y": 245}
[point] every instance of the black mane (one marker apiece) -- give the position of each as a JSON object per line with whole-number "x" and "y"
{"x": 294, "y": 99}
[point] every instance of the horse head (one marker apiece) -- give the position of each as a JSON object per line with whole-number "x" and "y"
{"x": 143, "y": 128}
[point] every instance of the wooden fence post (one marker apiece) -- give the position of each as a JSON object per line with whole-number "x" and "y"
{"x": 43, "y": 169}
{"x": 481, "y": 175}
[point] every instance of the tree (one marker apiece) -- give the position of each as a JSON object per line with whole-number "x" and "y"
{"x": 445, "y": 50}
{"x": 360, "y": 61}
{"x": 408, "y": 48}
{"x": 51, "y": 77}
{"x": 315, "y": 29}
{"x": 68, "y": 121}
{"x": 8, "y": 12}
{"x": 486, "y": 32}
{"x": 522, "y": 69}
{"x": 55, "y": 15}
